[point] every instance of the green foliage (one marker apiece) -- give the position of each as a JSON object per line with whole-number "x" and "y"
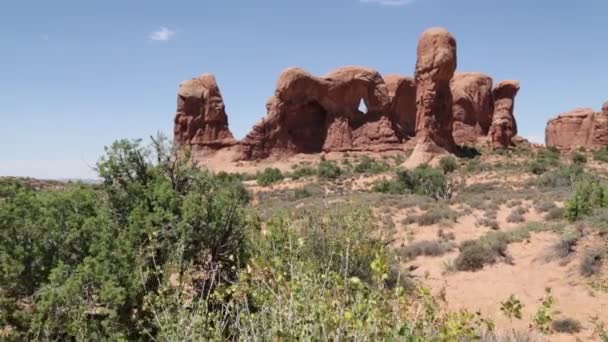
{"x": 81, "y": 263}
{"x": 561, "y": 177}
{"x": 545, "y": 314}
{"x": 302, "y": 171}
{"x": 328, "y": 170}
{"x": 426, "y": 248}
{"x": 269, "y": 176}
{"x": 578, "y": 158}
{"x": 423, "y": 180}
{"x": 590, "y": 194}
{"x": 475, "y": 254}
{"x": 512, "y": 307}
{"x": 448, "y": 164}
{"x": 601, "y": 154}
{"x": 370, "y": 165}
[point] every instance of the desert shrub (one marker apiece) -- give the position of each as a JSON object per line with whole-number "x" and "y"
{"x": 475, "y": 254}
{"x": 448, "y": 164}
{"x": 537, "y": 167}
{"x": 488, "y": 222}
{"x": 561, "y": 177}
{"x": 515, "y": 217}
{"x": 302, "y": 171}
{"x": 426, "y": 248}
{"x": 601, "y": 154}
{"x": 555, "y": 214}
{"x": 436, "y": 215}
{"x": 566, "y": 326}
{"x": 592, "y": 261}
{"x": 567, "y": 242}
{"x": 589, "y": 194}
{"x": 578, "y": 158}
{"x": 544, "y": 206}
{"x": 88, "y": 260}
{"x": 328, "y": 170}
{"x": 475, "y": 165}
{"x": 370, "y": 165}
{"x": 423, "y": 180}
{"x": 269, "y": 176}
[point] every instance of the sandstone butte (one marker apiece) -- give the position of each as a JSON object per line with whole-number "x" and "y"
{"x": 436, "y": 111}
{"x": 579, "y": 128}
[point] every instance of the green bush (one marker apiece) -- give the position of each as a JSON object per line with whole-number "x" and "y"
{"x": 578, "y": 158}
{"x": 475, "y": 254}
{"x": 328, "y": 170}
{"x": 561, "y": 177}
{"x": 426, "y": 248}
{"x": 601, "y": 154}
{"x": 269, "y": 176}
{"x": 302, "y": 172}
{"x": 589, "y": 195}
{"x": 86, "y": 260}
{"x": 423, "y": 180}
{"x": 370, "y": 165}
{"x": 566, "y": 326}
{"x": 448, "y": 164}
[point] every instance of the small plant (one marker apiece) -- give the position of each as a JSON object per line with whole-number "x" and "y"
{"x": 578, "y": 158}
{"x": 592, "y": 262}
{"x": 589, "y": 195}
{"x": 448, "y": 164}
{"x": 515, "y": 217}
{"x": 565, "y": 245}
{"x": 302, "y": 172}
{"x": 328, "y": 170}
{"x": 555, "y": 214}
{"x": 426, "y": 248}
{"x": 601, "y": 154}
{"x": 512, "y": 308}
{"x": 566, "y": 325}
{"x": 475, "y": 254}
{"x": 545, "y": 313}
{"x": 269, "y": 176}
{"x": 436, "y": 215}
{"x": 370, "y": 165}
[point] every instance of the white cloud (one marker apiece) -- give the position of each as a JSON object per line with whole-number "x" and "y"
{"x": 389, "y": 2}
{"x": 163, "y": 34}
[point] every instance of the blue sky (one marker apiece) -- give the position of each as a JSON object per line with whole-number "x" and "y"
{"x": 76, "y": 75}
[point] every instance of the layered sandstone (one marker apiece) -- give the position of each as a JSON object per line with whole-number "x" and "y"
{"x": 579, "y": 128}
{"x": 311, "y": 114}
{"x": 402, "y": 97}
{"x": 201, "y": 119}
{"x": 472, "y": 106}
{"x": 504, "y": 126}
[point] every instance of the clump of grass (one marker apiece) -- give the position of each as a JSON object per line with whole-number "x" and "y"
{"x": 448, "y": 164}
{"x": 475, "y": 254}
{"x": 578, "y": 158}
{"x": 555, "y": 214}
{"x": 436, "y": 215}
{"x": 488, "y": 222}
{"x": 601, "y": 155}
{"x": 302, "y": 171}
{"x": 566, "y": 326}
{"x": 269, "y": 176}
{"x": 370, "y": 165}
{"x": 592, "y": 262}
{"x": 565, "y": 246}
{"x": 515, "y": 216}
{"x": 328, "y": 170}
{"x": 544, "y": 206}
{"x": 426, "y": 248}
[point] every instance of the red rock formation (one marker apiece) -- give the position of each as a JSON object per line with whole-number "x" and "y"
{"x": 472, "y": 106}
{"x": 201, "y": 119}
{"x": 435, "y": 66}
{"x": 402, "y": 97}
{"x": 311, "y": 114}
{"x": 504, "y": 126}
{"x": 579, "y": 128}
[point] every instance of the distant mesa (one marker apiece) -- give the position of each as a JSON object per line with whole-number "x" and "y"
{"x": 579, "y": 128}
{"x": 355, "y": 108}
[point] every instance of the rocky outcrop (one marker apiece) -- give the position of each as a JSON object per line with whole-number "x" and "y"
{"x": 435, "y": 66}
{"x": 504, "y": 126}
{"x": 402, "y": 98}
{"x": 201, "y": 119}
{"x": 472, "y": 106}
{"x": 311, "y": 114}
{"x": 579, "y": 128}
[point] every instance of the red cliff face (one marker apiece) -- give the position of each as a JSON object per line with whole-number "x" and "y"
{"x": 201, "y": 120}
{"x": 311, "y": 114}
{"x": 504, "y": 126}
{"x": 579, "y": 128}
{"x": 472, "y": 106}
